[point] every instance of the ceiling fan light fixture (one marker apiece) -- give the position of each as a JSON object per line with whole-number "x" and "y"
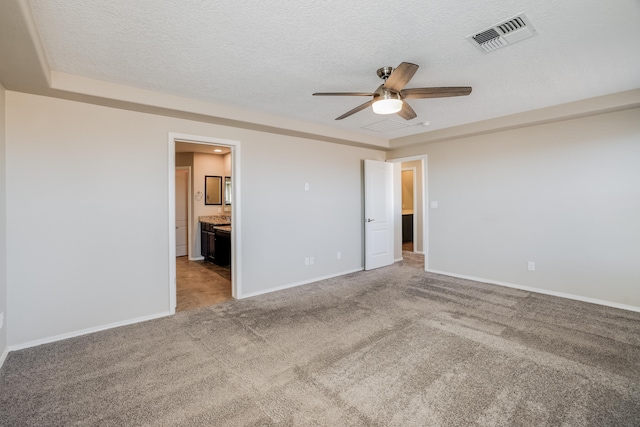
{"x": 387, "y": 103}
{"x": 389, "y": 97}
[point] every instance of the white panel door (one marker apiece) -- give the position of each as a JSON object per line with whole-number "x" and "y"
{"x": 378, "y": 212}
{"x": 182, "y": 188}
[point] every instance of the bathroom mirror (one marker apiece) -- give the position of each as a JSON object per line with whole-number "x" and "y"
{"x": 212, "y": 190}
{"x": 227, "y": 190}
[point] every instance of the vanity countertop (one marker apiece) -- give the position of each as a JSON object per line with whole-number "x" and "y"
{"x": 215, "y": 219}
{"x": 223, "y": 228}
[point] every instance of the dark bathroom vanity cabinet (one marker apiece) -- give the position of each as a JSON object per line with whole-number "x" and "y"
{"x": 215, "y": 243}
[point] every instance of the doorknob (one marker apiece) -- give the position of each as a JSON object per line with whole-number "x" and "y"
{"x": 370, "y": 219}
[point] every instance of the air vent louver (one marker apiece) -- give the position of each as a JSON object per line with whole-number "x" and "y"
{"x": 503, "y": 34}
{"x": 512, "y": 25}
{"x": 485, "y": 36}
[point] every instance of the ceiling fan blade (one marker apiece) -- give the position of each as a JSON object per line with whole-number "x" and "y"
{"x": 343, "y": 94}
{"x": 355, "y": 110}
{"x": 407, "y": 112}
{"x": 435, "y": 92}
{"x": 400, "y": 76}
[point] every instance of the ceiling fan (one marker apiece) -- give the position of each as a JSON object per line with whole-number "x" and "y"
{"x": 390, "y": 96}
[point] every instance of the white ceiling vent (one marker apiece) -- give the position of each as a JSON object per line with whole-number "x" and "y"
{"x": 386, "y": 126}
{"x": 505, "y": 33}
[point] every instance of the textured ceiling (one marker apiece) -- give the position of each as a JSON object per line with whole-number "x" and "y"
{"x": 270, "y": 56}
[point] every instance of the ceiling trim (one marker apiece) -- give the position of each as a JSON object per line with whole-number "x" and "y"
{"x": 572, "y": 110}
{"x": 176, "y": 106}
{"x": 24, "y": 68}
{"x": 24, "y": 64}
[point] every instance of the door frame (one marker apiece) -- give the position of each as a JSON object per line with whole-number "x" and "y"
{"x": 189, "y": 201}
{"x": 425, "y": 193}
{"x": 236, "y": 262}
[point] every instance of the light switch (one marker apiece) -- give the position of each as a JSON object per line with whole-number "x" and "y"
{"x": 306, "y": 186}
{"x": 434, "y": 204}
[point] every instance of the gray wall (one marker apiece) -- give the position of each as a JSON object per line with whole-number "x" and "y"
{"x": 3, "y": 225}
{"x": 87, "y": 199}
{"x": 565, "y": 195}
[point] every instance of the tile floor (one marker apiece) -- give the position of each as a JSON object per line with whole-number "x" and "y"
{"x": 201, "y": 284}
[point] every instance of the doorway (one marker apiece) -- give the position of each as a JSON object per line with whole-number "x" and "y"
{"x": 418, "y": 209}
{"x": 409, "y": 208}
{"x": 199, "y": 283}
{"x": 206, "y": 283}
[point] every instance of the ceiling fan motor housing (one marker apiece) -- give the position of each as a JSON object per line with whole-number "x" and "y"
{"x": 385, "y": 72}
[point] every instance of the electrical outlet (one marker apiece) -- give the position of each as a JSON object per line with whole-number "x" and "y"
{"x": 1, "y": 320}
{"x": 531, "y": 266}
{"x": 306, "y": 186}
{"x": 434, "y": 204}
{"x": 311, "y": 261}
{"x": 306, "y": 261}
{"x": 339, "y": 255}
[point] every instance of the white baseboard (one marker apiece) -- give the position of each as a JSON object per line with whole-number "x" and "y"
{"x": 541, "y": 291}
{"x": 3, "y": 357}
{"x": 293, "y": 285}
{"x": 398, "y": 259}
{"x": 87, "y": 331}
{"x": 198, "y": 258}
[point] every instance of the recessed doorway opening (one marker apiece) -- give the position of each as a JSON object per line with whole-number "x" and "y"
{"x": 409, "y": 209}
{"x": 197, "y": 278}
{"x": 413, "y": 215}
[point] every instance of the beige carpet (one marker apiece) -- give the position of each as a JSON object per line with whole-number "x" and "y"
{"x": 390, "y": 347}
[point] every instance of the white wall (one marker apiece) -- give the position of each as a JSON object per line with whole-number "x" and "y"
{"x": 206, "y": 165}
{"x": 564, "y": 195}
{"x": 98, "y": 230}
{"x": 227, "y": 164}
{"x": 293, "y": 223}
{"x": 3, "y": 227}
